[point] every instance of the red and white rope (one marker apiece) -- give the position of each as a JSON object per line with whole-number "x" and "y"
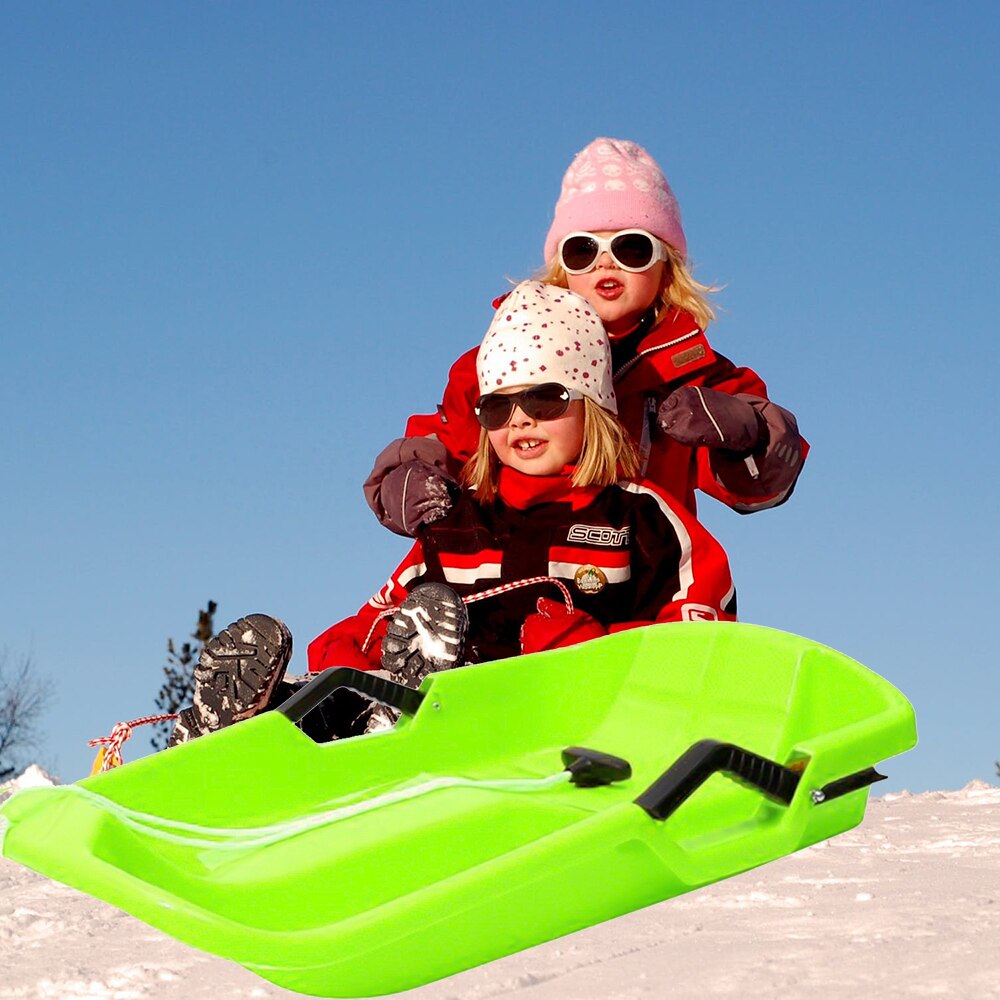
{"x": 503, "y": 588}
{"x": 481, "y": 595}
{"x": 123, "y": 731}
{"x": 371, "y": 632}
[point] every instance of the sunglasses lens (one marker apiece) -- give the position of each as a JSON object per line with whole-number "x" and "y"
{"x": 545, "y": 402}
{"x": 578, "y": 253}
{"x": 633, "y": 250}
{"x": 494, "y": 410}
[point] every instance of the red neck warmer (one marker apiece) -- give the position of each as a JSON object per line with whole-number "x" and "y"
{"x": 521, "y": 491}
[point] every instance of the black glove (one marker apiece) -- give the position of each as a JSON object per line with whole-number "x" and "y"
{"x": 416, "y": 494}
{"x": 706, "y": 418}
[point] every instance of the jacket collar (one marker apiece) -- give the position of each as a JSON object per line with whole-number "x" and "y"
{"x": 672, "y": 349}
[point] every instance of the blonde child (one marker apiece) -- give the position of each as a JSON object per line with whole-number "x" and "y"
{"x": 549, "y": 542}
{"x": 547, "y": 511}
{"x": 699, "y": 421}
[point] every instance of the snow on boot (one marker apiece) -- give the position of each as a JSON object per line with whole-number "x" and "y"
{"x": 426, "y": 633}
{"x": 237, "y": 671}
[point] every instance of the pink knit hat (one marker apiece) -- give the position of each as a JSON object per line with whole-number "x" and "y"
{"x": 615, "y": 184}
{"x": 542, "y": 333}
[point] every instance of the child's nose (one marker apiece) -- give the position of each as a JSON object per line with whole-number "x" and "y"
{"x": 605, "y": 260}
{"x": 519, "y": 418}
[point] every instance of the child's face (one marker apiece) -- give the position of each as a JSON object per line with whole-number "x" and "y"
{"x": 539, "y": 447}
{"x": 620, "y": 297}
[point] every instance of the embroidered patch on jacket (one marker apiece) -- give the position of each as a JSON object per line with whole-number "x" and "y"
{"x": 597, "y": 535}
{"x": 590, "y": 579}
{"x": 682, "y": 358}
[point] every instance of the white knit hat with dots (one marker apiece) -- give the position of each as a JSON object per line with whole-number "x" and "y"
{"x": 543, "y": 333}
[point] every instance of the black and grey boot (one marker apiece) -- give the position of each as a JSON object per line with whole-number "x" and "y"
{"x": 426, "y": 633}
{"x": 237, "y": 672}
{"x": 187, "y": 727}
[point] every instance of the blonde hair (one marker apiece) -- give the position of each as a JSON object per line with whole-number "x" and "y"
{"x": 678, "y": 289}
{"x": 608, "y": 454}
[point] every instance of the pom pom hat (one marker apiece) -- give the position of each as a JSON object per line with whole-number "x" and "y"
{"x": 542, "y": 333}
{"x": 611, "y": 185}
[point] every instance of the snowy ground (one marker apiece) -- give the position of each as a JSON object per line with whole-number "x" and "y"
{"x": 907, "y": 905}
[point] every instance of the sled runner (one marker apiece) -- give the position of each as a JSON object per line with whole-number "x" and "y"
{"x": 513, "y": 802}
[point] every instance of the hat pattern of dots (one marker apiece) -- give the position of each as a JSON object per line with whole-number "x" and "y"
{"x": 542, "y": 333}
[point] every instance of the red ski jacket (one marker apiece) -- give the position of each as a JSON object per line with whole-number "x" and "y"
{"x": 672, "y": 354}
{"x": 629, "y": 555}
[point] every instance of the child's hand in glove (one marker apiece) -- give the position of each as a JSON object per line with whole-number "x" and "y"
{"x": 415, "y": 494}
{"x": 551, "y": 626}
{"x": 701, "y": 417}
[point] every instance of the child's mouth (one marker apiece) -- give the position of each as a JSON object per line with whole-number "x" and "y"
{"x": 527, "y": 447}
{"x": 610, "y": 288}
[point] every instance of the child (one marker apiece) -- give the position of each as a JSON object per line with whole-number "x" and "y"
{"x": 700, "y": 422}
{"x": 545, "y": 513}
{"x": 545, "y": 503}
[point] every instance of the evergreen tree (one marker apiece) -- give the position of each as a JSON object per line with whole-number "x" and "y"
{"x": 178, "y": 689}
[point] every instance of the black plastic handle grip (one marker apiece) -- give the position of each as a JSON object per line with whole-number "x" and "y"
{"x": 705, "y": 758}
{"x": 398, "y": 696}
{"x": 591, "y": 768}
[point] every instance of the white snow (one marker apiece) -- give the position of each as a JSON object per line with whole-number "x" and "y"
{"x": 906, "y": 905}
{"x": 32, "y": 777}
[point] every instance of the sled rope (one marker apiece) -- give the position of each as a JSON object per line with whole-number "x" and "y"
{"x": 503, "y": 588}
{"x": 481, "y": 595}
{"x": 110, "y": 754}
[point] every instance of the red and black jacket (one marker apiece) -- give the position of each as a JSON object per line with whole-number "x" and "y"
{"x": 629, "y": 554}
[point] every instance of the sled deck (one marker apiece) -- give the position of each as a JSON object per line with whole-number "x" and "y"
{"x": 513, "y": 802}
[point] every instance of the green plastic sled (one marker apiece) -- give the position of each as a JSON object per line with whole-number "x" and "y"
{"x": 513, "y": 802}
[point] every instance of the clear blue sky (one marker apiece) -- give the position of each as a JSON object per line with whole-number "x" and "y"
{"x": 240, "y": 243}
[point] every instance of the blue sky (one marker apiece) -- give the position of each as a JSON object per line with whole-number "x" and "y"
{"x": 240, "y": 243}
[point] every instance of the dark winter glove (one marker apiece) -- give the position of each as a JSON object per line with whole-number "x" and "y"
{"x": 551, "y": 626}
{"x": 707, "y": 418}
{"x": 410, "y": 485}
{"x": 416, "y": 494}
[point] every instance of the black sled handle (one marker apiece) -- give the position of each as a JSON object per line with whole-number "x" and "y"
{"x": 398, "y": 696}
{"x": 697, "y": 764}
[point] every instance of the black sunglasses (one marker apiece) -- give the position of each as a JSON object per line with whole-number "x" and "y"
{"x": 540, "y": 402}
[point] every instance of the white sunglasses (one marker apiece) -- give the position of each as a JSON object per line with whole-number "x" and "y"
{"x": 631, "y": 249}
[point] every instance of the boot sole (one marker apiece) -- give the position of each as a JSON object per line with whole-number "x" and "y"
{"x": 187, "y": 727}
{"x": 239, "y": 668}
{"x": 427, "y": 633}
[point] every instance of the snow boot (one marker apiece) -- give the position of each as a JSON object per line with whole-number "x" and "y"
{"x": 187, "y": 727}
{"x": 426, "y": 633}
{"x": 237, "y": 671}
